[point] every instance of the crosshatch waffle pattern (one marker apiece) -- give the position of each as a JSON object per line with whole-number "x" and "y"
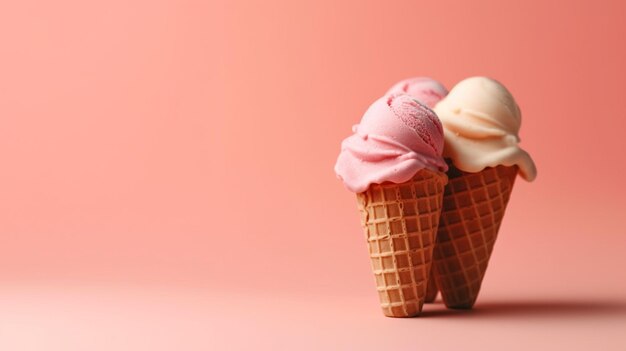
{"x": 431, "y": 290}
{"x": 400, "y": 223}
{"x": 473, "y": 208}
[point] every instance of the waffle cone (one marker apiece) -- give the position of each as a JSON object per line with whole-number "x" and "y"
{"x": 400, "y": 223}
{"x": 473, "y": 208}
{"x": 431, "y": 289}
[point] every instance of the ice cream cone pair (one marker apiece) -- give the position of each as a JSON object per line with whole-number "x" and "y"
{"x": 432, "y": 224}
{"x": 424, "y": 232}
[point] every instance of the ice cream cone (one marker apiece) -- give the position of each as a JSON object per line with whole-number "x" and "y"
{"x": 400, "y": 223}
{"x": 473, "y": 208}
{"x": 393, "y": 164}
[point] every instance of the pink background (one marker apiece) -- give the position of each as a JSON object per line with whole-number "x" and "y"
{"x": 167, "y": 181}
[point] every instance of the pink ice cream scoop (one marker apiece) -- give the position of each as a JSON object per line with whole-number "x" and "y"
{"x": 426, "y": 90}
{"x": 397, "y": 137}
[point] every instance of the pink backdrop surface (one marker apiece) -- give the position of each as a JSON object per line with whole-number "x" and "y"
{"x": 167, "y": 172}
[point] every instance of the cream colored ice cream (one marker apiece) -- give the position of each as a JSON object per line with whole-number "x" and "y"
{"x": 481, "y": 121}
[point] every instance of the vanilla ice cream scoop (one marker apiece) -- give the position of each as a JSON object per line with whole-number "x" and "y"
{"x": 481, "y": 123}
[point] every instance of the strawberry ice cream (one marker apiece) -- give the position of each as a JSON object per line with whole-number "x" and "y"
{"x": 397, "y": 137}
{"x": 426, "y": 90}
